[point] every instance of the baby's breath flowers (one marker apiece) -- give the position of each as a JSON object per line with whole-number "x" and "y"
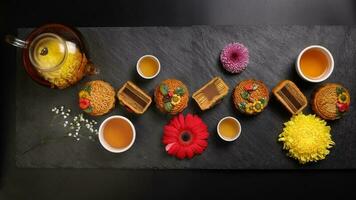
{"x": 74, "y": 125}
{"x": 306, "y": 138}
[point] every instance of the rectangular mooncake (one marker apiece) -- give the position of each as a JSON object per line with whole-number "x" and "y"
{"x": 134, "y": 98}
{"x": 290, "y": 96}
{"x": 210, "y": 94}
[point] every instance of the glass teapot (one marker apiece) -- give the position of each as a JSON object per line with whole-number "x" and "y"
{"x": 53, "y": 55}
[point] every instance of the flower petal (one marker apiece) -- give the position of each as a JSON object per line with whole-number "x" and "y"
{"x": 202, "y": 135}
{"x": 189, "y": 151}
{"x": 170, "y": 130}
{"x": 168, "y": 139}
{"x": 175, "y": 122}
{"x": 197, "y": 119}
{"x": 199, "y": 129}
{"x": 189, "y": 121}
{"x": 174, "y": 149}
{"x": 197, "y": 149}
{"x": 168, "y": 146}
{"x": 202, "y": 143}
{"x": 181, "y": 153}
{"x": 177, "y": 125}
{"x": 181, "y": 121}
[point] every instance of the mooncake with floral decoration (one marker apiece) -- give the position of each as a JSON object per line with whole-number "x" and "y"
{"x": 250, "y": 97}
{"x": 331, "y": 101}
{"x": 171, "y": 96}
{"x": 97, "y": 98}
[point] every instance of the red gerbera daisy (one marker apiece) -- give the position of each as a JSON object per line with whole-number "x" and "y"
{"x": 185, "y": 136}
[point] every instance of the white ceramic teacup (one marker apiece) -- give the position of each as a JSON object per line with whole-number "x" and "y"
{"x": 237, "y": 134}
{"x": 139, "y": 70}
{"x": 103, "y": 141}
{"x": 327, "y": 72}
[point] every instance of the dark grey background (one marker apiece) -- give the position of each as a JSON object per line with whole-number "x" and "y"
{"x": 130, "y": 184}
{"x": 190, "y": 54}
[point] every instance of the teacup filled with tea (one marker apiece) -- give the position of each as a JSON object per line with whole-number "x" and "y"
{"x": 315, "y": 63}
{"x": 117, "y": 134}
{"x": 148, "y": 66}
{"x": 229, "y": 129}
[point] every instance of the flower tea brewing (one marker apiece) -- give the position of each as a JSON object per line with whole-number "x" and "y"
{"x": 53, "y": 55}
{"x": 59, "y": 62}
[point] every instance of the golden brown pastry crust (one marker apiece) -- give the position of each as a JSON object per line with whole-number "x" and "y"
{"x": 129, "y": 102}
{"x": 245, "y": 99}
{"x": 101, "y": 97}
{"x": 325, "y": 99}
{"x": 172, "y": 84}
{"x": 219, "y": 90}
{"x": 290, "y": 96}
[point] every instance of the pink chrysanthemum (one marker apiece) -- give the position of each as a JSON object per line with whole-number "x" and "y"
{"x": 234, "y": 57}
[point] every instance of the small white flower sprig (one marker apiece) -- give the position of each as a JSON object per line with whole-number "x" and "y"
{"x": 76, "y": 123}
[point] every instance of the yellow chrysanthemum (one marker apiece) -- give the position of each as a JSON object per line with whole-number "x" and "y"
{"x": 175, "y": 99}
{"x": 257, "y": 106}
{"x": 249, "y": 108}
{"x": 343, "y": 98}
{"x": 306, "y": 138}
{"x": 67, "y": 74}
{"x": 83, "y": 94}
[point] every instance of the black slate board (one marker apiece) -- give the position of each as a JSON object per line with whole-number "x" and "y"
{"x": 191, "y": 55}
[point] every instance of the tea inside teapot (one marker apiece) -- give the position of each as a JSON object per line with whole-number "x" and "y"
{"x": 53, "y": 55}
{"x": 59, "y": 62}
{"x": 47, "y": 51}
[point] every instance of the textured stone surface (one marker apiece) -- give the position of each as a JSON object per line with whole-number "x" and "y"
{"x": 190, "y": 54}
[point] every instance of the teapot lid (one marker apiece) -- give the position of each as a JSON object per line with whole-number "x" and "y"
{"x": 47, "y": 51}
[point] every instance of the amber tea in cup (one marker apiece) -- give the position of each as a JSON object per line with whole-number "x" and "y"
{"x": 315, "y": 63}
{"x": 148, "y": 66}
{"x": 229, "y": 128}
{"x": 117, "y": 134}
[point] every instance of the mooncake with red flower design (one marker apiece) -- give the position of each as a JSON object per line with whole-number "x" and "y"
{"x": 331, "y": 101}
{"x": 97, "y": 98}
{"x": 171, "y": 96}
{"x": 250, "y": 97}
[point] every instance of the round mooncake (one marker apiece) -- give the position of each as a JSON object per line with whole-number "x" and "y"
{"x": 250, "y": 96}
{"x": 171, "y": 96}
{"x": 330, "y": 101}
{"x": 97, "y": 98}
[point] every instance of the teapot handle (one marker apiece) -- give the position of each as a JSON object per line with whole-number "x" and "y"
{"x": 14, "y": 41}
